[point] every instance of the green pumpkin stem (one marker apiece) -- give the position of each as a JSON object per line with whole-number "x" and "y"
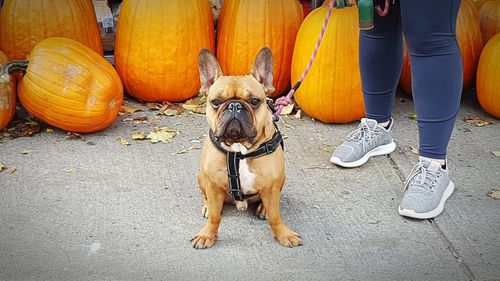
{"x": 10, "y": 67}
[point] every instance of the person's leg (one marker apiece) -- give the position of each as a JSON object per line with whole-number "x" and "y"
{"x": 380, "y": 60}
{"x": 429, "y": 29}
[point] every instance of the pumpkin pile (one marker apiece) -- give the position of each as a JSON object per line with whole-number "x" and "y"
{"x": 68, "y": 84}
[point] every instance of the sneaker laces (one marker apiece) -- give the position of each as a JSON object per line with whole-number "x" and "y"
{"x": 421, "y": 176}
{"x": 363, "y": 134}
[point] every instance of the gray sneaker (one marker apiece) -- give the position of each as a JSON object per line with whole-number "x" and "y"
{"x": 426, "y": 190}
{"x": 368, "y": 140}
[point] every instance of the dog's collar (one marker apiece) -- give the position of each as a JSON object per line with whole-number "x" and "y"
{"x": 233, "y": 161}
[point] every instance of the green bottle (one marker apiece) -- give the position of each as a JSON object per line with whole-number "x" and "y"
{"x": 365, "y": 11}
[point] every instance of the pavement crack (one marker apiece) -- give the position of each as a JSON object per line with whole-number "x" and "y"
{"x": 453, "y": 250}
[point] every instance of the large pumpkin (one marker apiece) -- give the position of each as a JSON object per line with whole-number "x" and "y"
{"x": 331, "y": 92}
{"x": 69, "y": 86}
{"x": 24, "y": 23}
{"x": 7, "y": 95}
{"x": 157, "y": 46}
{"x": 470, "y": 42}
{"x": 488, "y": 74}
{"x": 246, "y": 26}
{"x": 489, "y": 18}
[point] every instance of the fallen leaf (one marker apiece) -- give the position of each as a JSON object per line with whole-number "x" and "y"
{"x": 298, "y": 115}
{"x": 11, "y": 170}
{"x": 316, "y": 207}
{"x": 22, "y": 128}
{"x": 196, "y": 104}
{"x": 153, "y": 106}
{"x": 69, "y": 170}
{"x": 49, "y": 130}
{"x": 289, "y": 126}
{"x": 71, "y": 135}
{"x": 163, "y": 135}
{"x": 413, "y": 117}
{"x": 325, "y": 149}
{"x": 139, "y": 136}
{"x": 123, "y": 141}
{"x": 136, "y": 120}
{"x": 496, "y": 153}
{"x": 171, "y": 109}
{"x": 287, "y": 110}
{"x": 2, "y": 166}
{"x": 128, "y": 109}
{"x": 494, "y": 193}
{"x": 464, "y": 130}
{"x": 191, "y": 148}
{"x": 26, "y": 151}
{"x": 414, "y": 150}
{"x": 476, "y": 120}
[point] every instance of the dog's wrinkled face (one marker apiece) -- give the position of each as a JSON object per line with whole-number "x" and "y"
{"x": 236, "y": 105}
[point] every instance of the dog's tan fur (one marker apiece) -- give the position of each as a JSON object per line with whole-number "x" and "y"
{"x": 268, "y": 171}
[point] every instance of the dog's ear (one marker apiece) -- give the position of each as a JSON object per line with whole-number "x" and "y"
{"x": 262, "y": 69}
{"x": 209, "y": 69}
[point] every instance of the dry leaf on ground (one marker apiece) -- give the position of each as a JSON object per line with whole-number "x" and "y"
{"x": 494, "y": 193}
{"x": 476, "y": 120}
{"x": 298, "y": 115}
{"x": 153, "y": 105}
{"x": 464, "y": 130}
{"x": 71, "y": 135}
{"x": 25, "y": 151}
{"x": 49, "y": 130}
{"x": 496, "y": 153}
{"x": 196, "y": 104}
{"x": 171, "y": 109}
{"x": 128, "y": 109}
{"x": 2, "y": 166}
{"x": 11, "y": 170}
{"x": 139, "y": 136}
{"x": 164, "y": 135}
{"x": 287, "y": 110}
{"x": 191, "y": 148}
{"x": 69, "y": 170}
{"x": 123, "y": 141}
{"x": 414, "y": 150}
{"x": 21, "y": 128}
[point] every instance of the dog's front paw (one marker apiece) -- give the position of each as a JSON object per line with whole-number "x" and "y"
{"x": 203, "y": 240}
{"x": 288, "y": 238}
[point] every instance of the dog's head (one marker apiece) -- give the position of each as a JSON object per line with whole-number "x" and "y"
{"x": 237, "y": 110}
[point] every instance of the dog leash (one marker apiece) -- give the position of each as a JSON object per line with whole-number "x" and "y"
{"x": 282, "y": 102}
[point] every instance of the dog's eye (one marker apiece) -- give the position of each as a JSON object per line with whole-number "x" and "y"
{"x": 215, "y": 103}
{"x": 255, "y": 101}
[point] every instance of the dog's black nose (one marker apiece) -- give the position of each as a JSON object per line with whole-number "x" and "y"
{"x": 235, "y": 106}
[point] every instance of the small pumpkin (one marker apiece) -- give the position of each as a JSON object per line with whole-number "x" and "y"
{"x": 157, "y": 46}
{"x": 469, "y": 40}
{"x": 69, "y": 86}
{"x": 247, "y": 26}
{"x": 7, "y": 95}
{"x": 24, "y": 23}
{"x": 488, "y": 74}
{"x": 489, "y": 18}
{"x": 331, "y": 91}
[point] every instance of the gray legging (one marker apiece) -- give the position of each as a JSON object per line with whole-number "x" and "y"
{"x": 429, "y": 30}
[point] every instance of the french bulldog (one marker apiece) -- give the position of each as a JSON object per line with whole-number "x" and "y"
{"x": 240, "y": 124}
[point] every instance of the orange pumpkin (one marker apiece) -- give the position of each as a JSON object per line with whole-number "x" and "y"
{"x": 24, "y": 23}
{"x": 331, "y": 92}
{"x": 470, "y": 42}
{"x": 7, "y": 95}
{"x": 246, "y": 26}
{"x": 157, "y": 46}
{"x": 489, "y": 18}
{"x": 69, "y": 86}
{"x": 488, "y": 73}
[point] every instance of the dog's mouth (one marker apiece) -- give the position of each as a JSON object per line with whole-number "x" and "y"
{"x": 235, "y": 127}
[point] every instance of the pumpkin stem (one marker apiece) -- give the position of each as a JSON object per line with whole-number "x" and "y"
{"x": 342, "y": 4}
{"x": 13, "y": 66}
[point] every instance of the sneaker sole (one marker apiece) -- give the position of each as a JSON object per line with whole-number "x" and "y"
{"x": 431, "y": 214}
{"x": 377, "y": 151}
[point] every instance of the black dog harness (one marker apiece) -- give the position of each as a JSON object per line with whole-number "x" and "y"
{"x": 233, "y": 161}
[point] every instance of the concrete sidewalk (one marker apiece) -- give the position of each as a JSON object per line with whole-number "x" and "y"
{"x": 99, "y": 210}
